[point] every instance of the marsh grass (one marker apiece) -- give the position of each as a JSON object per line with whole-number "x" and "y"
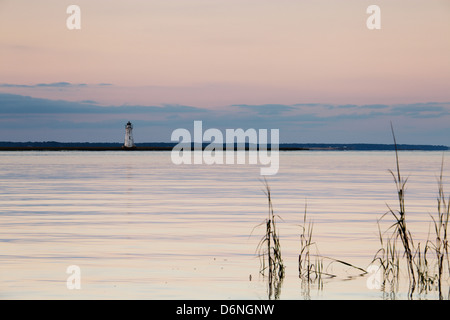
{"x": 426, "y": 276}
{"x": 428, "y": 266}
{"x": 390, "y": 258}
{"x": 388, "y": 255}
{"x": 311, "y": 268}
{"x": 441, "y": 245}
{"x": 269, "y": 251}
{"x": 310, "y": 263}
{"x": 425, "y": 273}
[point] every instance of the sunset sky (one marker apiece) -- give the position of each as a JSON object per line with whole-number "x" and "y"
{"x": 309, "y": 68}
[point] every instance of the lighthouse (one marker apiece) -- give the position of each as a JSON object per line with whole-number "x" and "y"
{"x": 129, "y": 142}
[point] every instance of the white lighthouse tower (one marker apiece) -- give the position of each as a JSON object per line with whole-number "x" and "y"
{"x": 129, "y": 142}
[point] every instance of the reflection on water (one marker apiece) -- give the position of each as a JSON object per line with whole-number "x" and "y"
{"x": 140, "y": 227}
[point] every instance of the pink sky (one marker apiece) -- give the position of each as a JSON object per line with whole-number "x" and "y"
{"x": 214, "y": 53}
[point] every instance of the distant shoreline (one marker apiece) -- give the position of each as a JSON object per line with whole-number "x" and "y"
{"x": 83, "y": 149}
{"x": 161, "y": 146}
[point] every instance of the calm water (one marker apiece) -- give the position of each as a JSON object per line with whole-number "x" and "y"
{"x": 140, "y": 227}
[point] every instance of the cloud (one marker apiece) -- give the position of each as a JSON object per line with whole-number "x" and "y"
{"x": 176, "y": 108}
{"x": 43, "y": 85}
{"x": 26, "y": 116}
{"x": 18, "y": 104}
{"x": 374, "y": 106}
{"x": 89, "y": 101}
{"x": 347, "y": 106}
{"x": 266, "y": 109}
{"x": 326, "y": 113}
{"x": 61, "y": 84}
{"x": 413, "y": 108}
{"x": 307, "y": 104}
{"x": 422, "y": 110}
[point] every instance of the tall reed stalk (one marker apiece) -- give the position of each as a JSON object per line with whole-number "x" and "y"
{"x": 269, "y": 251}
{"x": 311, "y": 263}
{"x": 421, "y": 273}
{"x": 309, "y": 270}
{"x": 389, "y": 260}
{"x": 441, "y": 244}
{"x": 400, "y": 229}
{"x": 400, "y": 225}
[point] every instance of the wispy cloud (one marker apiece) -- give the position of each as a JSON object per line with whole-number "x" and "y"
{"x": 266, "y": 109}
{"x": 15, "y": 103}
{"x": 422, "y": 110}
{"x": 305, "y": 122}
{"x": 18, "y": 104}
{"x": 89, "y": 101}
{"x": 61, "y": 84}
{"x": 347, "y": 106}
{"x": 43, "y": 85}
{"x": 374, "y": 106}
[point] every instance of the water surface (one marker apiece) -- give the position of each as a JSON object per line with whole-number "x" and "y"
{"x": 140, "y": 227}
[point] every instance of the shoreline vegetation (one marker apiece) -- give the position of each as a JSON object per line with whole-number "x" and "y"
{"x": 162, "y": 146}
{"x": 427, "y": 265}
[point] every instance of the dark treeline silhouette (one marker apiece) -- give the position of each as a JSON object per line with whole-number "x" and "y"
{"x": 54, "y": 145}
